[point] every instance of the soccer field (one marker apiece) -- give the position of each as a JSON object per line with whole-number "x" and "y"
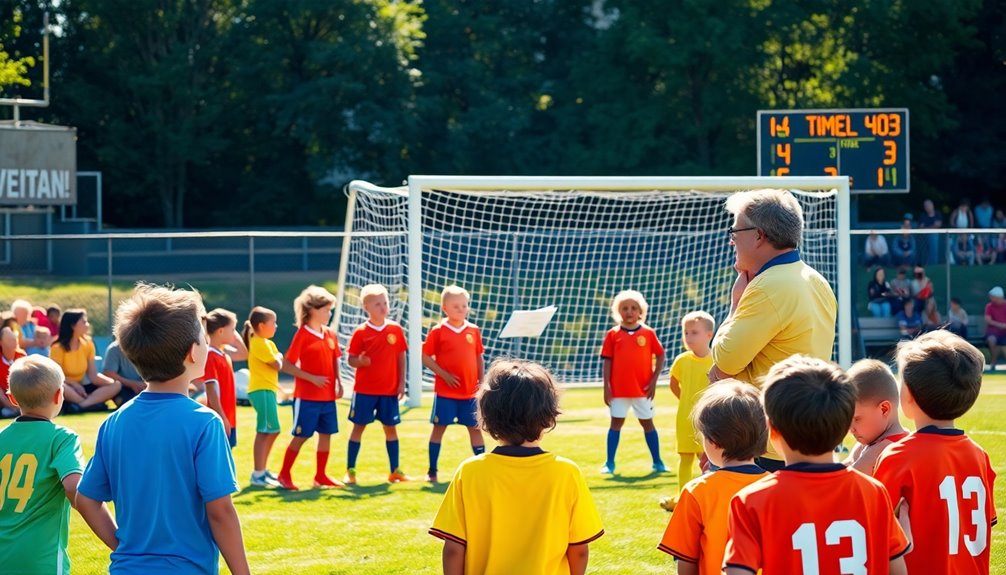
{"x": 376, "y": 528}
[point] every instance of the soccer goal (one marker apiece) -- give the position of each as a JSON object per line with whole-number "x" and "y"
{"x": 520, "y": 243}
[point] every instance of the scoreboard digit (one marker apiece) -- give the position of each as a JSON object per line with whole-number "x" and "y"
{"x": 870, "y": 146}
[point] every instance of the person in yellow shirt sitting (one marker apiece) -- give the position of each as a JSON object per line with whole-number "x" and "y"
{"x": 74, "y": 352}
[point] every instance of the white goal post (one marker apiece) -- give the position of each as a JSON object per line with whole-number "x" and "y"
{"x": 518, "y": 242}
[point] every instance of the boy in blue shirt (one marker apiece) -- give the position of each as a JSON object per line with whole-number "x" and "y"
{"x": 163, "y": 458}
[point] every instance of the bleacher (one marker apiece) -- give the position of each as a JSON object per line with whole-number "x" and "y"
{"x": 879, "y": 335}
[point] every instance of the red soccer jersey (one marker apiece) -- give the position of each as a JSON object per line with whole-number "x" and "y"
{"x": 458, "y": 351}
{"x": 315, "y": 353}
{"x": 631, "y": 354}
{"x": 220, "y": 369}
{"x": 5, "y": 368}
{"x": 814, "y": 518}
{"x": 383, "y": 346}
{"x": 947, "y": 481}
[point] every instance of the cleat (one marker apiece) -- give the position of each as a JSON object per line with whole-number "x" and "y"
{"x": 287, "y": 483}
{"x": 398, "y": 476}
{"x": 608, "y": 469}
{"x": 326, "y": 481}
{"x": 431, "y": 477}
{"x": 668, "y": 503}
{"x": 350, "y": 478}
{"x": 261, "y": 481}
{"x": 659, "y": 467}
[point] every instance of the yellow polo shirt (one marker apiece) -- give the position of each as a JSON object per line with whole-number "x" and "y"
{"x": 262, "y": 376}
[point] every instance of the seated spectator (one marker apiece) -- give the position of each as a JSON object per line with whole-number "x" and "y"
{"x": 999, "y": 221}
{"x": 995, "y": 324}
{"x": 878, "y": 291}
{"x": 875, "y": 251}
{"x": 903, "y": 248}
{"x": 28, "y": 339}
{"x": 983, "y": 213}
{"x": 901, "y": 289}
{"x": 957, "y": 318}
{"x": 962, "y": 217}
{"x": 922, "y": 287}
{"x": 53, "y": 312}
{"x": 116, "y": 366}
{"x": 9, "y": 351}
{"x": 74, "y": 351}
{"x": 999, "y": 245}
{"x": 42, "y": 320}
{"x": 931, "y": 319}
{"x": 985, "y": 254}
{"x": 909, "y": 321}
{"x": 963, "y": 252}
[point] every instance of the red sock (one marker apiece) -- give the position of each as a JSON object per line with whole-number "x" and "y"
{"x": 288, "y": 458}
{"x": 322, "y": 457}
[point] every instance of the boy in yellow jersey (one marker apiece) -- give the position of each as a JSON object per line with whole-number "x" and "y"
{"x": 730, "y": 418}
{"x": 689, "y": 378}
{"x": 546, "y": 531}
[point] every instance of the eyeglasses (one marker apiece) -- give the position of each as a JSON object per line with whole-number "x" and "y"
{"x": 731, "y": 231}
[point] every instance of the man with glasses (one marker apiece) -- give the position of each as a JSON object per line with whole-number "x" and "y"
{"x": 780, "y": 306}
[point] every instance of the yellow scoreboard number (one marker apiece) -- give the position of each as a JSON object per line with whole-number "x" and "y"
{"x": 870, "y": 146}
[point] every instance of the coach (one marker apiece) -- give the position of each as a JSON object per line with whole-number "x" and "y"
{"x": 780, "y": 306}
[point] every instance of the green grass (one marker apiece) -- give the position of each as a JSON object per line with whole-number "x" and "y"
{"x": 376, "y": 528}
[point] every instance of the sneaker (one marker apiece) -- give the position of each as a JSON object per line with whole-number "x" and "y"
{"x": 286, "y": 483}
{"x": 431, "y": 477}
{"x": 350, "y": 478}
{"x": 271, "y": 479}
{"x": 668, "y": 503}
{"x": 259, "y": 480}
{"x": 326, "y": 481}
{"x": 608, "y": 469}
{"x": 659, "y": 467}
{"x": 398, "y": 476}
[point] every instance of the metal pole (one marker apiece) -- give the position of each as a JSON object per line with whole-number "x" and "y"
{"x": 109, "y": 253}
{"x": 251, "y": 270}
{"x": 515, "y": 285}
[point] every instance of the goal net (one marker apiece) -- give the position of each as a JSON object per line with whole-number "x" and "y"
{"x": 523, "y": 243}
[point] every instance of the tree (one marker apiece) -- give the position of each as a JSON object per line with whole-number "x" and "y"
{"x": 13, "y": 68}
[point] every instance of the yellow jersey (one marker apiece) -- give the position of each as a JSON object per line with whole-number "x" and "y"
{"x": 262, "y": 376}
{"x": 692, "y": 374}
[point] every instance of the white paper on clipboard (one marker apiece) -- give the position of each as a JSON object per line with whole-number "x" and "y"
{"x": 528, "y": 323}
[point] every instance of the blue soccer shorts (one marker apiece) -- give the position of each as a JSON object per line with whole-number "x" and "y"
{"x": 365, "y": 408}
{"x": 447, "y": 411}
{"x": 314, "y": 416}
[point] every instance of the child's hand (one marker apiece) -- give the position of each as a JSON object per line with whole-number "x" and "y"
{"x": 363, "y": 360}
{"x": 338, "y": 388}
{"x": 318, "y": 380}
{"x": 451, "y": 379}
{"x": 401, "y": 390}
{"x": 607, "y": 396}
{"x": 651, "y": 390}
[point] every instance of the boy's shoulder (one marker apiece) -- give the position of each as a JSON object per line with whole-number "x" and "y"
{"x": 725, "y": 480}
{"x": 926, "y": 444}
{"x": 179, "y": 407}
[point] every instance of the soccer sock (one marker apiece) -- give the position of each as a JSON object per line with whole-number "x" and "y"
{"x": 478, "y": 449}
{"x": 322, "y": 459}
{"x": 653, "y": 442}
{"x": 613, "y": 437}
{"x": 434, "y": 456}
{"x": 392, "y": 454}
{"x": 288, "y": 458}
{"x": 686, "y": 463}
{"x": 352, "y": 451}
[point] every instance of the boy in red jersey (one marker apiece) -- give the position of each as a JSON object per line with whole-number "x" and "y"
{"x": 813, "y": 515}
{"x": 875, "y": 424}
{"x": 453, "y": 352}
{"x": 218, "y": 377}
{"x": 731, "y": 422}
{"x": 9, "y": 352}
{"x": 377, "y": 353}
{"x": 942, "y": 480}
{"x": 632, "y": 361}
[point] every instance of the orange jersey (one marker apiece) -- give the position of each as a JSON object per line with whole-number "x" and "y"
{"x": 814, "y": 518}
{"x": 382, "y": 345}
{"x": 631, "y": 353}
{"x": 946, "y": 480}
{"x": 220, "y": 369}
{"x": 5, "y": 368}
{"x": 457, "y": 351}
{"x": 316, "y": 353}
{"x": 697, "y": 532}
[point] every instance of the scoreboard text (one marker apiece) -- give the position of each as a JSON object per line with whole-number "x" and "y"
{"x": 868, "y": 146}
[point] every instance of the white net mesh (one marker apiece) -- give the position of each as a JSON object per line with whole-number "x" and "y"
{"x": 573, "y": 249}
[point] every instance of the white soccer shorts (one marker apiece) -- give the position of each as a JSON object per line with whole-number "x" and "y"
{"x": 641, "y": 406}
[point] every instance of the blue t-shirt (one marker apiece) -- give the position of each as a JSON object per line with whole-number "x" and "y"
{"x": 912, "y": 324}
{"x": 161, "y": 458}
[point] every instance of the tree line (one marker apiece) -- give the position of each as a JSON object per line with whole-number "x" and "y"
{"x": 257, "y": 112}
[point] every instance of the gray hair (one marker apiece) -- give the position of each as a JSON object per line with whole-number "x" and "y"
{"x": 775, "y": 212}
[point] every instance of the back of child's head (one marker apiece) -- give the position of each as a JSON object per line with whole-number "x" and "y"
{"x": 873, "y": 381}
{"x": 810, "y": 402}
{"x": 313, "y": 297}
{"x": 454, "y": 291}
{"x": 628, "y": 295}
{"x": 730, "y": 415}
{"x": 256, "y": 317}
{"x": 943, "y": 373}
{"x": 700, "y": 317}
{"x": 34, "y": 380}
{"x": 219, "y": 318}
{"x": 156, "y": 328}
{"x": 372, "y": 290}
{"x": 518, "y": 401}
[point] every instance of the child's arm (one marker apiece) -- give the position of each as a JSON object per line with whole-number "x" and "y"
{"x": 675, "y": 387}
{"x": 651, "y": 388}
{"x": 135, "y": 385}
{"x": 338, "y": 380}
{"x": 213, "y": 400}
{"x": 95, "y": 377}
{"x": 736, "y": 571}
{"x": 226, "y": 530}
{"x": 70, "y": 488}
{"x": 97, "y": 517}
{"x": 295, "y": 370}
{"x": 356, "y": 361}
{"x": 867, "y": 460}
{"x": 432, "y": 365}
{"x": 401, "y": 375}
{"x": 577, "y": 555}
{"x": 453, "y": 558}
{"x": 687, "y": 567}
{"x": 236, "y": 348}
{"x": 606, "y": 376}
{"x": 898, "y": 566}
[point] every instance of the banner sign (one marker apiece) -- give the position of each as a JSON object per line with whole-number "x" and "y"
{"x": 38, "y": 165}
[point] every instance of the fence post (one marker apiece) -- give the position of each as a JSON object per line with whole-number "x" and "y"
{"x": 109, "y": 255}
{"x": 251, "y": 270}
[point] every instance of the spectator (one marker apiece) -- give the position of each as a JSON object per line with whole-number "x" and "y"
{"x": 922, "y": 287}
{"x": 931, "y": 319}
{"x": 875, "y": 251}
{"x": 909, "y": 321}
{"x": 995, "y": 324}
{"x": 983, "y": 213}
{"x": 9, "y": 352}
{"x": 53, "y": 312}
{"x": 879, "y": 293}
{"x": 117, "y": 367}
{"x": 931, "y": 219}
{"x": 958, "y": 318}
{"x": 999, "y": 221}
{"x": 901, "y": 289}
{"x": 999, "y": 247}
{"x": 963, "y": 252}
{"x": 31, "y": 342}
{"x": 904, "y": 247}
{"x": 74, "y": 352}
{"x": 962, "y": 217}
{"x": 985, "y": 253}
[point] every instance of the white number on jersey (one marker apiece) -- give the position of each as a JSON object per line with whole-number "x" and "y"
{"x": 805, "y": 541}
{"x": 971, "y": 488}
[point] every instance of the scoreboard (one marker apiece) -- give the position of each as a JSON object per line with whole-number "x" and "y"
{"x": 870, "y": 146}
